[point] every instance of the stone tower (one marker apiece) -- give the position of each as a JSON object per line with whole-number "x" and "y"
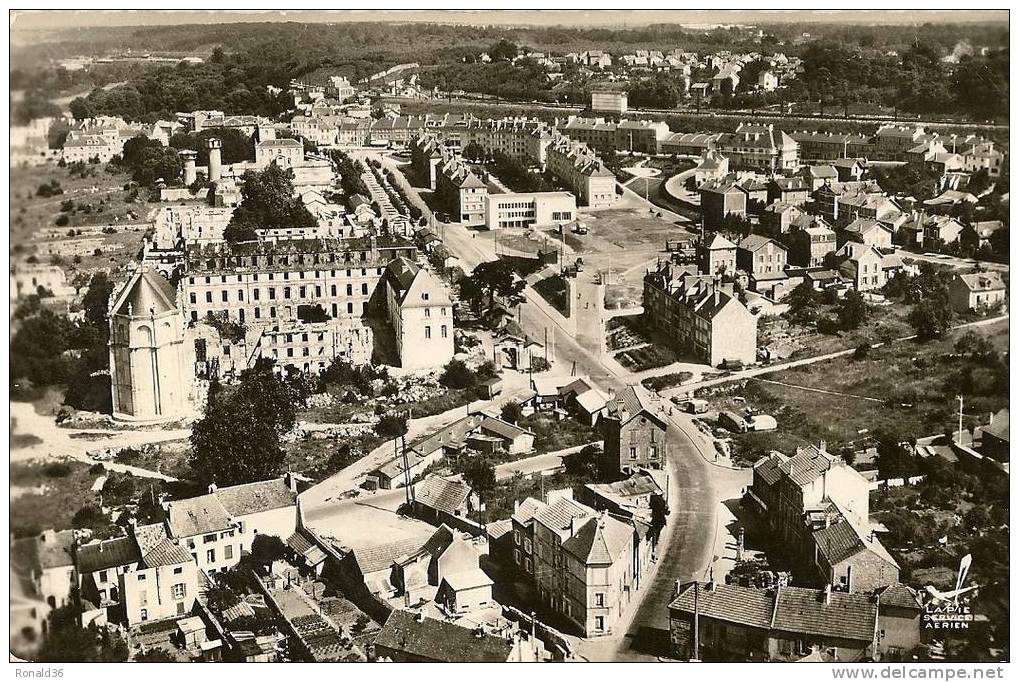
{"x": 215, "y": 159}
{"x": 148, "y": 368}
{"x": 187, "y": 157}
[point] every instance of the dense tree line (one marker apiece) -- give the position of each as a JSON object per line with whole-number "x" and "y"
{"x": 49, "y": 349}
{"x": 887, "y": 65}
{"x": 147, "y": 160}
{"x": 236, "y": 146}
{"x": 233, "y": 86}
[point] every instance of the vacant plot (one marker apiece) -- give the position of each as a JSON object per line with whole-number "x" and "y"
{"x": 638, "y": 349}
{"x": 97, "y": 199}
{"x": 499, "y": 503}
{"x": 319, "y": 458}
{"x": 630, "y": 229}
{"x": 551, "y": 434}
{"x": 46, "y": 496}
{"x": 660, "y": 383}
{"x": 884, "y": 322}
{"x": 906, "y": 390}
{"x": 646, "y": 357}
{"x": 170, "y": 458}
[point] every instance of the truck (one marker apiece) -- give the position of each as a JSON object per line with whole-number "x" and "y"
{"x": 695, "y": 405}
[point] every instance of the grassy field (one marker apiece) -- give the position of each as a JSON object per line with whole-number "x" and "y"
{"x": 884, "y": 321}
{"x": 170, "y": 458}
{"x": 907, "y": 390}
{"x": 45, "y": 496}
{"x": 646, "y": 357}
{"x": 319, "y": 458}
{"x": 96, "y": 200}
{"x": 664, "y": 381}
{"x": 637, "y": 348}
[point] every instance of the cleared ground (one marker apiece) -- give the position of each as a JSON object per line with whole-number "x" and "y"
{"x": 906, "y": 389}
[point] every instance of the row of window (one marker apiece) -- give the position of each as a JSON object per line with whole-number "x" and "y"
{"x": 296, "y": 259}
{"x": 288, "y": 314}
{"x": 652, "y": 452}
{"x": 444, "y": 332}
{"x": 303, "y": 293}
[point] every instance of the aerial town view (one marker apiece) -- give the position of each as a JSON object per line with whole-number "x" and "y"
{"x": 510, "y": 336}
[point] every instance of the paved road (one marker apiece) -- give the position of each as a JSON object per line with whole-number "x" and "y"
{"x": 535, "y": 315}
{"x": 688, "y": 543}
{"x": 550, "y": 461}
{"x": 954, "y": 261}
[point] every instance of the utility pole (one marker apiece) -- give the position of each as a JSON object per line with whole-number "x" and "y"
{"x": 696, "y": 622}
{"x": 960, "y": 418}
{"x": 406, "y": 469}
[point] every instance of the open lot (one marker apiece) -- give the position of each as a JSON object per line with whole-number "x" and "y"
{"x": 48, "y": 495}
{"x": 906, "y": 390}
{"x": 97, "y": 199}
{"x": 624, "y": 241}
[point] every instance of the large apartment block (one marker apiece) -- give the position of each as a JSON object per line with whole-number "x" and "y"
{"x": 583, "y": 564}
{"x": 636, "y": 136}
{"x": 760, "y": 147}
{"x": 581, "y": 169}
{"x": 703, "y": 316}
{"x": 265, "y": 282}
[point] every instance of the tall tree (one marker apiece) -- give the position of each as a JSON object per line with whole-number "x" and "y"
{"x": 267, "y": 201}
{"x": 498, "y": 278}
{"x": 239, "y": 438}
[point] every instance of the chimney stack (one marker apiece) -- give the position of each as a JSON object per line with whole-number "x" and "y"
{"x": 826, "y": 596}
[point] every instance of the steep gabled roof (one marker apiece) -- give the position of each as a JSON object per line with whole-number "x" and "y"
{"x": 898, "y": 595}
{"x": 732, "y": 603}
{"x": 197, "y": 516}
{"x": 249, "y": 498}
{"x": 849, "y": 616}
{"x": 599, "y": 541}
{"x": 105, "y": 554}
{"x": 719, "y": 242}
{"x": 442, "y": 494}
{"x": 755, "y": 242}
{"x": 807, "y": 465}
{"x": 147, "y": 290}
{"x": 559, "y": 515}
{"x": 843, "y": 540}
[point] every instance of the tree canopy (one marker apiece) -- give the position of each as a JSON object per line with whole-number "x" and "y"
{"x": 267, "y": 201}
{"x": 239, "y": 438}
{"x": 148, "y": 161}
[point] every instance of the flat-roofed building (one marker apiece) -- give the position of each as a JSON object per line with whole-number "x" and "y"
{"x": 527, "y": 210}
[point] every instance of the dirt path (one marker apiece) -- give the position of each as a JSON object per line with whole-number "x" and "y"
{"x": 56, "y": 443}
{"x": 821, "y": 390}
